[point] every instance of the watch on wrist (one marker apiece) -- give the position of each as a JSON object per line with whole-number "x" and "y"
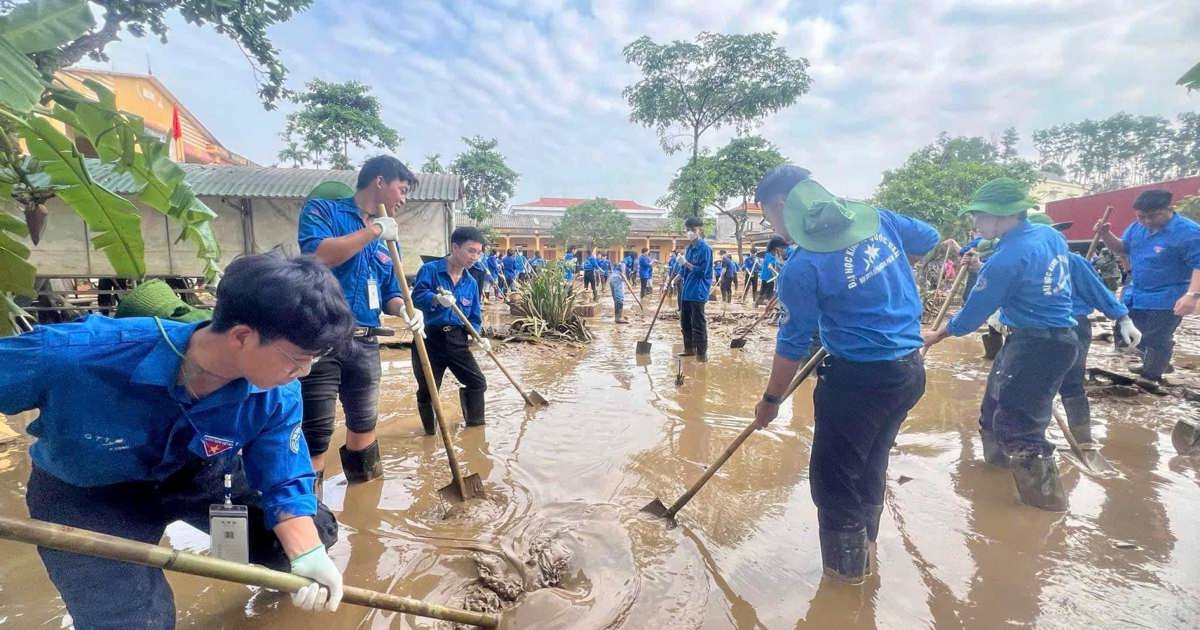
{"x": 771, "y": 398}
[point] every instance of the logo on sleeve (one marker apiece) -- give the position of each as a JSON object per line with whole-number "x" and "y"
{"x": 214, "y": 446}
{"x": 294, "y": 440}
{"x": 868, "y": 258}
{"x": 383, "y": 257}
{"x": 1057, "y": 278}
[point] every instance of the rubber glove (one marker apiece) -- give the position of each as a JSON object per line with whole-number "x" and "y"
{"x": 325, "y": 593}
{"x": 446, "y": 300}
{"x": 415, "y": 322}
{"x": 388, "y": 230}
{"x": 1129, "y": 333}
{"x": 484, "y": 344}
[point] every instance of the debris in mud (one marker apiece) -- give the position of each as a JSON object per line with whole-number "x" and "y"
{"x": 549, "y": 555}
{"x": 496, "y": 588}
{"x": 903, "y": 480}
{"x": 1128, "y": 546}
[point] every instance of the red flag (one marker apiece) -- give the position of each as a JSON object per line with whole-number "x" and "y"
{"x": 176, "y": 129}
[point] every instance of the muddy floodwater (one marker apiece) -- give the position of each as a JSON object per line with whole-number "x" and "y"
{"x": 563, "y": 545}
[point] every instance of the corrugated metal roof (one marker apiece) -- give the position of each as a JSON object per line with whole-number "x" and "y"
{"x": 214, "y": 180}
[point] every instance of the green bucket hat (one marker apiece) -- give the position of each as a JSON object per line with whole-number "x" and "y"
{"x": 1042, "y": 218}
{"x": 331, "y": 189}
{"x": 157, "y": 299}
{"x": 1000, "y": 197}
{"x": 821, "y": 222}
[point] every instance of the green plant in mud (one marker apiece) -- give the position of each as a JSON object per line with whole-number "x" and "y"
{"x": 549, "y": 308}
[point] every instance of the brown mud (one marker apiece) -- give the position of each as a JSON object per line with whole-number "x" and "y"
{"x": 560, "y": 543}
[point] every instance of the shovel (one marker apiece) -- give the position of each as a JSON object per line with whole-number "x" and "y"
{"x": 533, "y": 399}
{"x": 1090, "y": 455}
{"x": 656, "y": 506}
{"x": 643, "y": 346}
{"x": 740, "y": 342}
{"x": 633, "y": 294}
{"x": 679, "y": 373}
{"x": 1096, "y": 237}
{"x": 461, "y": 488}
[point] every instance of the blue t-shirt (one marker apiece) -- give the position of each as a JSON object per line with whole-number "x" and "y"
{"x": 645, "y": 267}
{"x": 863, "y": 300}
{"x": 330, "y": 218}
{"x": 1028, "y": 278}
{"x": 768, "y": 269}
{"x": 435, "y": 274}
{"x": 697, "y": 281}
{"x": 748, "y": 262}
{"x": 112, "y": 412}
{"x": 1161, "y": 263}
{"x": 1089, "y": 293}
{"x": 510, "y": 265}
{"x": 569, "y": 267}
{"x": 522, "y": 264}
{"x": 537, "y": 262}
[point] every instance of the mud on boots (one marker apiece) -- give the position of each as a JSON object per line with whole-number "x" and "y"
{"x": 347, "y": 236}
{"x": 695, "y": 269}
{"x": 1028, "y": 278}
{"x": 1164, "y": 257}
{"x": 867, "y": 313}
{"x": 447, "y": 341}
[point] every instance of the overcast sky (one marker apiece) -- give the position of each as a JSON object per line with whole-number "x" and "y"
{"x": 545, "y": 77}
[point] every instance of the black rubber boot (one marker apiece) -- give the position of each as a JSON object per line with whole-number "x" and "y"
{"x": 1037, "y": 482}
{"x": 992, "y": 453}
{"x": 872, "y": 515}
{"x": 428, "y": 419}
{"x": 1079, "y": 418}
{"x": 472, "y": 406}
{"x": 992, "y": 342}
{"x": 363, "y": 465}
{"x": 844, "y": 555}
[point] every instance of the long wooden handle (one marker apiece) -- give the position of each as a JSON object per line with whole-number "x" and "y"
{"x": 941, "y": 316}
{"x": 761, "y": 316}
{"x": 86, "y": 542}
{"x": 804, "y": 372}
{"x": 478, "y": 338}
{"x": 942, "y": 269}
{"x": 1096, "y": 237}
{"x": 661, "y": 299}
{"x": 1071, "y": 441}
{"x": 426, "y": 367}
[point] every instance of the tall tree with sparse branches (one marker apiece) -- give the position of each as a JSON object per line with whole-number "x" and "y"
{"x": 488, "y": 182}
{"x": 335, "y": 116}
{"x": 432, "y": 164}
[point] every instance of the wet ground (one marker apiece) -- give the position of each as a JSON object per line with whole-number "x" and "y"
{"x": 560, "y": 530}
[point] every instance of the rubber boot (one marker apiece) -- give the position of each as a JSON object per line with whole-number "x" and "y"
{"x": 1079, "y": 418}
{"x": 992, "y": 453}
{"x": 1037, "y": 482}
{"x": 872, "y": 515}
{"x": 992, "y": 342}
{"x": 844, "y": 555}
{"x": 1154, "y": 365}
{"x": 363, "y": 465}
{"x": 472, "y": 406}
{"x": 428, "y": 419}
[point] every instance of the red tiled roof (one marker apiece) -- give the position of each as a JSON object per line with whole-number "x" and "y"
{"x": 750, "y": 207}
{"x": 567, "y": 202}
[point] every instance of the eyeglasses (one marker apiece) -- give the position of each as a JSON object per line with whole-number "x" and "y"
{"x": 300, "y": 366}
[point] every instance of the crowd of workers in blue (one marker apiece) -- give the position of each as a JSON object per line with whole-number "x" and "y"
{"x": 249, "y": 394}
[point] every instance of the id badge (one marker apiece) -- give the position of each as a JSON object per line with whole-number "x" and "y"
{"x": 372, "y": 294}
{"x": 227, "y": 526}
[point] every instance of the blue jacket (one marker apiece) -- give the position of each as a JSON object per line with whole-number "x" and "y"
{"x": 569, "y": 266}
{"x": 617, "y": 282}
{"x": 768, "y": 268}
{"x": 1088, "y": 292}
{"x": 1028, "y": 278}
{"x": 487, "y": 274}
{"x": 629, "y": 264}
{"x": 1161, "y": 263}
{"x": 522, "y": 264}
{"x": 673, "y": 264}
{"x": 697, "y": 281}
{"x": 604, "y": 265}
{"x": 434, "y": 275}
{"x": 330, "y": 218}
{"x": 645, "y": 267}
{"x": 730, "y": 267}
{"x": 111, "y": 412}
{"x": 862, "y": 300}
{"x": 510, "y": 266}
{"x": 748, "y": 262}
{"x": 537, "y": 262}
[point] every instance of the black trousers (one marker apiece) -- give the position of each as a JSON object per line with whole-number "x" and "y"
{"x": 1025, "y": 377}
{"x": 695, "y": 328}
{"x": 448, "y": 347}
{"x": 727, "y": 289}
{"x": 752, "y": 280}
{"x": 1072, "y": 385}
{"x": 352, "y": 375}
{"x": 859, "y": 407}
{"x": 478, "y": 275}
{"x": 1158, "y": 339}
{"x": 645, "y": 286}
{"x": 589, "y": 280}
{"x": 767, "y": 291}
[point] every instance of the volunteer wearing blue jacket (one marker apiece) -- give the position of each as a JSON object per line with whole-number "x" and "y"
{"x": 569, "y": 265}
{"x": 509, "y": 264}
{"x": 728, "y": 271}
{"x": 589, "y": 268}
{"x": 446, "y": 338}
{"x": 645, "y": 271}
{"x": 522, "y": 266}
{"x": 850, "y": 281}
{"x": 1164, "y": 259}
{"x": 750, "y": 266}
{"x": 695, "y": 269}
{"x": 1029, "y": 279}
{"x": 141, "y": 419}
{"x": 673, "y": 264}
{"x": 347, "y": 235}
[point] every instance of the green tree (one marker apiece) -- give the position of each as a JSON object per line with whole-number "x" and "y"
{"x": 432, "y": 164}
{"x": 1190, "y": 79}
{"x": 334, "y": 116}
{"x": 596, "y": 223}
{"x": 689, "y": 88}
{"x": 293, "y": 153}
{"x": 1008, "y": 144}
{"x": 936, "y": 181}
{"x": 1189, "y": 207}
{"x": 739, "y": 166}
{"x": 1123, "y": 150}
{"x": 488, "y": 182}
{"x": 246, "y": 23}
{"x": 692, "y": 190}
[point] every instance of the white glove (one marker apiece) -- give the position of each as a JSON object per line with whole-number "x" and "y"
{"x": 1129, "y": 333}
{"x": 484, "y": 344}
{"x": 446, "y": 300}
{"x": 325, "y": 593}
{"x": 389, "y": 231}
{"x": 415, "y": 323}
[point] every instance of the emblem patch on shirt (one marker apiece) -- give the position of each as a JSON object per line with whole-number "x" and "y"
{"x": 1158, "y": 249}
{"x": 294, "y": 440}
{"x": 868, "y": 258}
{"x": 214, "y": 446}
{"x": 465, "y": 301}
{"x": 383, "y": 257}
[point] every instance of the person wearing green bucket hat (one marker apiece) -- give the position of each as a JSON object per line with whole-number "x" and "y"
{"x": 850, "y": 282}
{"x": 1028, "y": 279}
{"x": 155, "y": 298}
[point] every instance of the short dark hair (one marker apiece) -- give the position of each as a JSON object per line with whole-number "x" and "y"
{"x": 693, "y": 222}
{"x": 779, "y": 181}
{"x": 1151, "y": 200}
{"x": 297, "y": 299}
{"x": 776, "y": 242}
{"x": 387, "y": 167}
{"x": 722, "y": 252}
{"x": 464, "y": 233}
{"x": 645, "y": 249}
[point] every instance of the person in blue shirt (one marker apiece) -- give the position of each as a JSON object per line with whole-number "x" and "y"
{"x": 509, "y": 265}
{"x": 590, "y": 267}
{"x": 672, "y": 271}
{"x": 347, "y": 235}
{"x": 1164, "y": 259}
{"x": 617, "y": 282}
{"x": 141, "y": 419}
{"x": 771, "y": 266}
{"x": 750, "y": 267}
{"x": 1028, "y": 278}
{"x": 537, "y": 263}
{"x": 849, "y": 283}
{"x": 603, "y": 269}
{"x": 521, "y": 262}
{"x": 695, "y": 271}
{"x": 446, "y": 337}
{"x": 569, "y": 265}
{"x": 645, "y": 271}
{"x": 630, "y": 267}
{"x": 727, "y": 272}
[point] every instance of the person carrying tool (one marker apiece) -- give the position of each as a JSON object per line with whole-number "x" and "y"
{"x": 1028, "y": 278}
{"x": 695, "y": 269}
{"x": 346, "y": 235}
{"x": 569, "y": 266}
{"x": 494, "y": 268}
{"x": 603, "y": 268}
{"x": 726, "y": 276}
{"x": 645, "y": 271}
{"x": 1164, "y": 255}
{"x": 445, "y": 337}
{"x": 673, "y": 264}
{"x": 537, "y": 263}
{"x": 617, "y": 282}
{"x": 589, "y": 268}
{"x": 849, "y": 281}
{"x": 770, "y": 267}
{"x": 144, "y": 421}
{"x": 750, "y": 266}
{"x": 522, "y": 266}
{"x": 509, "y": 264}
